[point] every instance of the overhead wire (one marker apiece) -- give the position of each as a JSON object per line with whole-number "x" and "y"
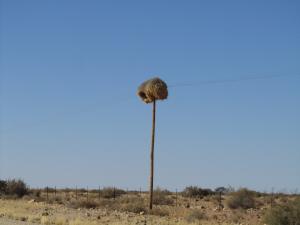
{"x": 190, "y": 84}
{"x": 232, "y": 80}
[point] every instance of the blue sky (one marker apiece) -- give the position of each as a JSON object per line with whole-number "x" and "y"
{"x": 70, "y": 115}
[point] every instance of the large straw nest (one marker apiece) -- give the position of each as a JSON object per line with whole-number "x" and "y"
{"x": 153, "y": 89}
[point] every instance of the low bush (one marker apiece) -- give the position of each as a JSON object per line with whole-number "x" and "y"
{"x": 196, "y": 192}
{"x": 56, "y": 200}
{"x": 108, "y": 204}
{"x": 36, "y": 192}
{"x": 3, "y": 186}
{"x": 159, "y": 212}
{"x": 243, "y": 198}
{"x": 111, "y": 192}
{"x": 75, "y": 204}
{"x": 284, "y": 214}
{"x": 135, "y": 207}
{"x": 161, "y": 197}
{"x": 195, "y": 216}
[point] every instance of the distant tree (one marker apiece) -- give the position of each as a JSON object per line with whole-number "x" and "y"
{"x": 16, "y": 187}
{"x": 196, "y": 192}
{"x": 221, "y": 190}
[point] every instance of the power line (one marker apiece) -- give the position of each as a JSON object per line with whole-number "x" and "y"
{"x": 124, "y": 100}
{"x": 239, "y": 79}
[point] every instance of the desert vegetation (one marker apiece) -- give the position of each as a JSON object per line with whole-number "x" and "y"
{"x": 287, "y": 212}
{"x": 110, "y": 205}
{"x": 13, "y": 188}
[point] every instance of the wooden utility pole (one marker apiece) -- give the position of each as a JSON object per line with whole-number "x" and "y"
{"x": 152, "y": 155}
{"x": 150, "y": 91}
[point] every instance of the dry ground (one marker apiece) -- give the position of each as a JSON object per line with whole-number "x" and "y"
{"x": 6, "y": 221}
{"x": 187, "y": 212}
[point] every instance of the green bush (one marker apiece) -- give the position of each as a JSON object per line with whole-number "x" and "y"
{"x": 243, "y": 198}
{"x": 16, "y": 188}
{"x": 284, "y": 214}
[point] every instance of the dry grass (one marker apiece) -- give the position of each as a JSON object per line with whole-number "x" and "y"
{"x": 153, "y": 89}
{"x": 60, "y": 215}
{"x": 243, "y": 198}
{"x": 127, "y": 209}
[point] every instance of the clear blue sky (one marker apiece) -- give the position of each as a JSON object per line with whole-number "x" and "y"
{"x": 70, "y": 115}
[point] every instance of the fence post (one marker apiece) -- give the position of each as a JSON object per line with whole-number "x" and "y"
{"x": 220, "y": 200}
{"x": 87, "y": 194}
{"x": 55, "y": 191}
{"x": 114, "y": 193}
{"x": 76, "y": 193}
{"x": 176, "y": 197}
{"x": 47, "y": 190}
{"x": 99, "y": 193}
{"x": 272, "y": 198}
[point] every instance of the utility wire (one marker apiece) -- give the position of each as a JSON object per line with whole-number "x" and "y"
{"x": 95, "y": 106}
{"x": 221, "y": 81}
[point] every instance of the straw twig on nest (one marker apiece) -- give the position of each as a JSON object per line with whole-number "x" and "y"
{"x": 153, "y": 89}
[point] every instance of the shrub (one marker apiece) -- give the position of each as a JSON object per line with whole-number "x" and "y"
{"x": 242, "y": 198}
{"x": 107, "y": 203}
{"x": 36, "y": 193}
{"x": 16, "y": 187}
{"x": 83, "y": 204}
{"x": 134, "y": 206}
{"x": 160, "y": 197}
{"x": 196, "y": 192}
{"x": 195, "y": 216}
{"x": 159, "y": 212}
{"x": 3, "y": 186}
{"x": 285, "y": 214}
{"x": 56, "y": 199}
{"x": 111, "y": 192}
{"x": 237, "y": 217}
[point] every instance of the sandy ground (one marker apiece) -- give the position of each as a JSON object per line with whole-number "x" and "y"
{"x": 16, "y": 211}
{"x": 5, "y": 221}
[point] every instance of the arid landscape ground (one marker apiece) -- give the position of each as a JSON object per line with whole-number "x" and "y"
{"x": 115, "y": 206}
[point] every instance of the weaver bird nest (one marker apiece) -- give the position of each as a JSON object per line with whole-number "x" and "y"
{"x": 153, "y": 89}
